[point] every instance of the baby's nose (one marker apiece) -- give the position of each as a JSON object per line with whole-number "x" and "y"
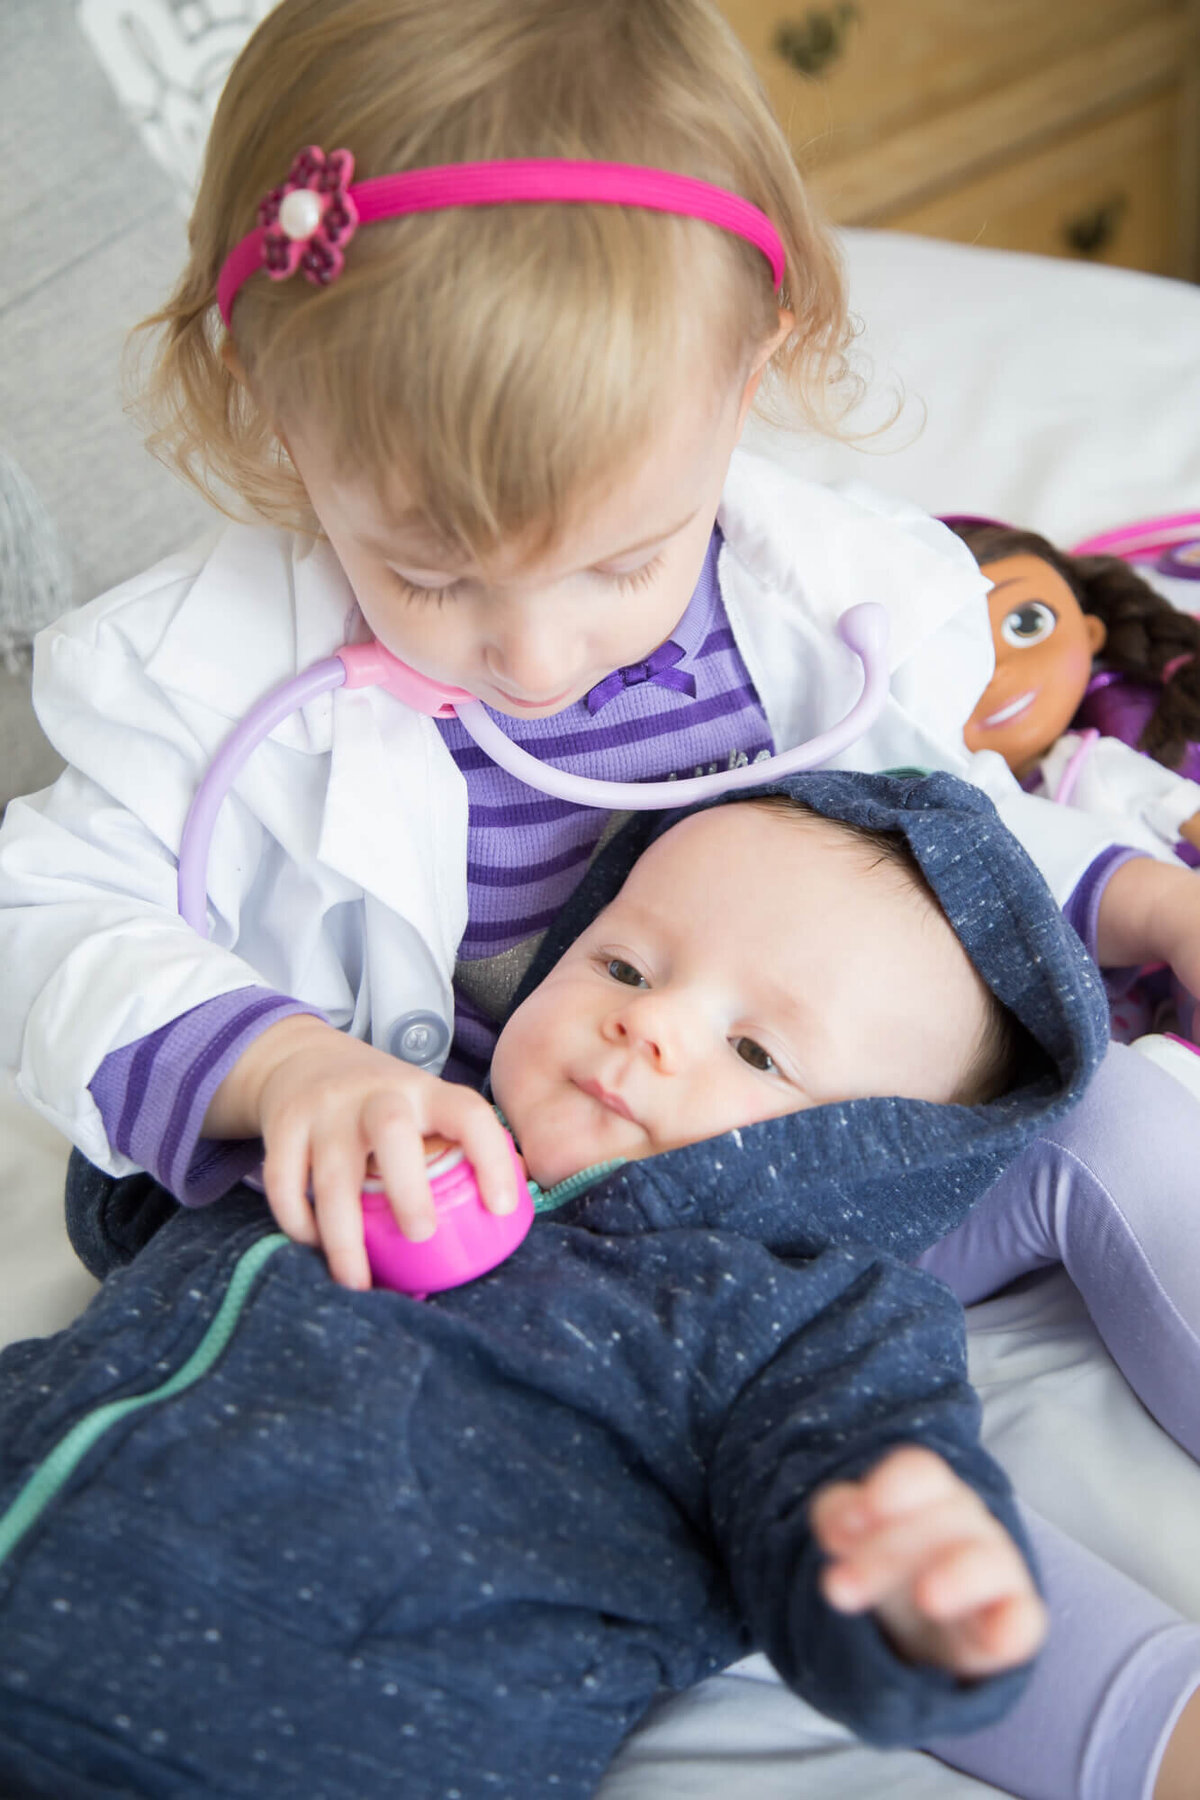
{"x": 645, "y": 1025}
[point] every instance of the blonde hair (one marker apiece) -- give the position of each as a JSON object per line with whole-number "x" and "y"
{"x": 502, "y": 361}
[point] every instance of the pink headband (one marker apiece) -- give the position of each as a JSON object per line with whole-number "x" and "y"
{"x": 307, "y": 222}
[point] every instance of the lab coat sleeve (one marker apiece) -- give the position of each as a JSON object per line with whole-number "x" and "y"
{"x": 95, "y": 955}
{"x": 1127, "y": 788}
{"x": 880, "y": 1366}
{"x": 1063, "y": 841}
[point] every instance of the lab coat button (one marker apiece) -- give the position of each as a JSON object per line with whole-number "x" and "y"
{"x": 419, "y": 1038}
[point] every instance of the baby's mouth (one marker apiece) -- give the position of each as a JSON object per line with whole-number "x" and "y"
{"x": 606, "y": 1097}
{"x": 1013, "y": 710}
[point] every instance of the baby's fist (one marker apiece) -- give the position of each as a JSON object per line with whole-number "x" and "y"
{"x": 916, "y": 1545}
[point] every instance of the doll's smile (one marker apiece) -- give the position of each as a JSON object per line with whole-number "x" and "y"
{"x": 1012, "y": 711}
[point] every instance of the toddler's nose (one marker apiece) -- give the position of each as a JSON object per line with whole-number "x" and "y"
{"x": 532, "y": 665}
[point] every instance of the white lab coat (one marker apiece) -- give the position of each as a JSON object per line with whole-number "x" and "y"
{"x": 338, "y": 870}
{"x": 1134, "y": 797}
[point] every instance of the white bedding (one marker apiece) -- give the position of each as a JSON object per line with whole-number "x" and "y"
{"x": 1057, "y": 396}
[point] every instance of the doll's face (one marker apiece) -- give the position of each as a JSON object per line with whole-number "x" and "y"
{"x": 752, "y": 965}
{"x": 1045, "y": 644}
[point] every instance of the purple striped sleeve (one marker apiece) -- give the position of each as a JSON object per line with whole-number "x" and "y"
{"x": 153, "y": 1094}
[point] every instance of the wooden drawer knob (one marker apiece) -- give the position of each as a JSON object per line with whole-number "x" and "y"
{"x": 813, "y": 43}
{"x": 1091, "y": 233}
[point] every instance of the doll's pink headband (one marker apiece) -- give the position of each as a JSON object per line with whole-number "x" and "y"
{"x": 307, "y": 222}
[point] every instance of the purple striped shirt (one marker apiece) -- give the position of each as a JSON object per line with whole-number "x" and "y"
{"x": 527, "y": 852}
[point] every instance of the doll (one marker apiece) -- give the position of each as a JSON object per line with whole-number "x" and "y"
{"x": 1095, "y": 702}
{"x": 1093, "y": 667}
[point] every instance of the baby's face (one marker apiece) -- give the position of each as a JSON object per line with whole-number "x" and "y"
{"x": 753, "y": 964}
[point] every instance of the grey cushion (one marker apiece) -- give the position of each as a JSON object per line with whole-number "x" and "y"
{"x": 94, "y": 237}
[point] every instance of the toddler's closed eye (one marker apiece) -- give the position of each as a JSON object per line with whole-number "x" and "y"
{"x": 413, "y": 590}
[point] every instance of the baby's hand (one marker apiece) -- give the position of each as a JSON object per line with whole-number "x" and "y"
{"x": 914, "y": 1543}
{"x": 325, "y": 1104}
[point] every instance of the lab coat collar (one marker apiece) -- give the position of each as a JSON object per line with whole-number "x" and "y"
{"x": 795, "y": 538}
{"x": 266, "y": 605}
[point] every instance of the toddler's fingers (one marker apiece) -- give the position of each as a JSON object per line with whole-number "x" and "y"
{"x": 337, "y": 1178}
{"x": 400, "y": 1155}
{"x": 468, "y": 1120}
{"x": 285, "y": 1181}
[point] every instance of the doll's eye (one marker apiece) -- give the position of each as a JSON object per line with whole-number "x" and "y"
{"x": 1028, "y": 624}
{"x": 754, "y": 1054}
{"x": 625, "y": 973}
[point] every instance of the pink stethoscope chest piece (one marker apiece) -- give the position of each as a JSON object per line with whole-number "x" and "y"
{"x": 469, "y": 1239}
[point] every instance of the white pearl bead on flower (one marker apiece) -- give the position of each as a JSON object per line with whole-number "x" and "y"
{"x": 300, "y": 213}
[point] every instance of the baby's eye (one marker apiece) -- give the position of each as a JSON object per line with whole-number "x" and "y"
{"x": 625, "y": 972}
{"x": 754, "y": 1054}
{"x": 1028, "y": 624}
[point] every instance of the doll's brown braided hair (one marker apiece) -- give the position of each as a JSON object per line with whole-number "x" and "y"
{"x": 1145, "y": 632}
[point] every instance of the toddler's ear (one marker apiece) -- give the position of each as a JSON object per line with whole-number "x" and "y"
{"x": 762, "y": 357}
{"x": 233, "y": 362}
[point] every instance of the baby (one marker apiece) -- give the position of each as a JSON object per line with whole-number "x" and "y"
{"x": 354, "y": 1543}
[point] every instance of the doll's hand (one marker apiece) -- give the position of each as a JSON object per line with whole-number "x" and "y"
{"x": 912, "y": 1542}
{"x": 324, "y": 1105}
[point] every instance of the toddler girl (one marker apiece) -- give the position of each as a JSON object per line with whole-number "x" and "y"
{"x": 493, "y": 414}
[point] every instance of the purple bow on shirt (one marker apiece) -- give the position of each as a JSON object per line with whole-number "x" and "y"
{"x": 658, "y": 666}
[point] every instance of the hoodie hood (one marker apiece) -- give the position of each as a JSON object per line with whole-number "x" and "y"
{"x": 892, "y": 1172}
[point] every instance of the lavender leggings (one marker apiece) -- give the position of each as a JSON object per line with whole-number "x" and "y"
{"x": 1110, "y": 1194}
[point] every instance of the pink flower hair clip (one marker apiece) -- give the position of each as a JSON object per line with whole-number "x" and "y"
{"x": 308, "y": 220}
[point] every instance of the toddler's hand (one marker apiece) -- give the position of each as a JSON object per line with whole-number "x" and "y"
{"x": 324, "y": 1104}
{"x": 914, "y": 1543}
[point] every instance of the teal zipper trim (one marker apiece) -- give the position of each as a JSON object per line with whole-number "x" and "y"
{"x": 545, "y": 1200}
{"x": 51, "y": 1475}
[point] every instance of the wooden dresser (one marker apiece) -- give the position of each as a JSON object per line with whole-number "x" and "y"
{"x": 1068, "y": 127}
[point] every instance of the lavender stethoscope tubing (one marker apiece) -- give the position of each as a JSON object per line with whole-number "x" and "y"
{"x": 863, "y": 629}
